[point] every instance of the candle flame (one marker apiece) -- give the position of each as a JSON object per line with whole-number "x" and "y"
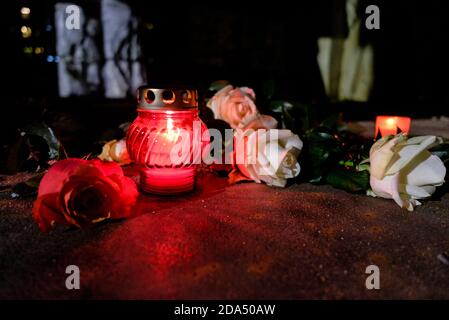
{"x": 172, "y": 134}
{"x": 391, "y": 122}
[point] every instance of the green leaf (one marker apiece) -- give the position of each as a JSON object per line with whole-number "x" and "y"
{"x": 294, "y": 115}
{"x": 278, "y": 106}
{"x": 321, "y": 135}
{"x": 332, "y": 121}
{"x": 442, "y": 154}
{"x": 269, "y": 88}
{"x": 45, "y": 132}
{"x": 22, "y": 190}
{"x": 18, "y": 154}
{"x": 317, "y": 178}
{"x": 218, "y": 85}
{"x": 34, "y": 181}
{"x": 441, "y": 150}
{"x": 349, "y": 180}
{"x": 322, "y": 151}
{"x": 319, "y": 154}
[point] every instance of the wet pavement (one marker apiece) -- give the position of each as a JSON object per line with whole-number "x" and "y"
{"x": 246, "y": 241}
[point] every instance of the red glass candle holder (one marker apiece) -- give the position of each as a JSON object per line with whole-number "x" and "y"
{"x": 387, "y": 125}
{"x": 165, "y": 140}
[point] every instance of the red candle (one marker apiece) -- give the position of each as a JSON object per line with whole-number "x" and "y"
{"x": 165, "y": 140}
{"x": 387, "y": 125}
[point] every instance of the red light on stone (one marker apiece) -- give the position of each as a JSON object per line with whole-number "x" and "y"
{"x": 165, "y": 140}
{"x": 387, "y": 125}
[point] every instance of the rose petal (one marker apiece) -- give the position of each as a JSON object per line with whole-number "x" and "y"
{"x": 387, "y": 188}
{"x": 273, "y": 153}
{"x": 106, "y": 151}
{"x": 430, "y": 171}
{"x": 215, "y": 102}
{"x": 424, "y": 139}
{"x": 407, "y": 153}
{"x": 290, "y": 167}
{"x": 107, "y": 168}
{"x": 46, "y": 212}
{"x": 119, "y": 152}
{"x": 52, "y": 181}
{"x": 259, "y": 121}
{"x": 290, "y": 141}
{"x": 127, "y": 197}
{"x": 237, "y": 176}
{"x": 233, "y": 105}
{"x": 279, "y": 182}
{"x": 390, "y": 188}
{"x": 416, "y": 192}
{"x": 381, "y": 154}
{"x": 248, "y": 91}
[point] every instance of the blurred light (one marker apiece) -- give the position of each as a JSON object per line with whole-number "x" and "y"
{"x": 48, "y": 27}
{"x": 50, "y": 58}
{"x": 391, "y": 122}
{"x": 149, "y": 26}
{"x": 56, "y": 59}
{"x": 28, "y": 50}
{"x": 39, "y": 50}
{"x": 25, "y": 12}
{"x": 26, "y": 31}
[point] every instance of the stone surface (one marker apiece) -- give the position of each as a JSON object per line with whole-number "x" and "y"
{"x": 241, "y": 241}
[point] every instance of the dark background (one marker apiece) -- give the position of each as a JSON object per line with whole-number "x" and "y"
{"x": 251, "y": 42}
{"x": 257, "y": 44}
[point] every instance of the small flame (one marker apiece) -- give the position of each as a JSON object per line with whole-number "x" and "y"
{"x": 391, "y": 122}
{"x": 172, "y": 134}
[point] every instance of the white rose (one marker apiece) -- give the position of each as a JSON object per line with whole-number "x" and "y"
{"x": 236, "y": 106}
{"x": 268, "y": 155}
{"x": 115, "y": 151}
{"x": 404, "y": 170}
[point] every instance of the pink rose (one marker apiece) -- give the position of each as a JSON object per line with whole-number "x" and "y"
{"x": 236, "y": 106}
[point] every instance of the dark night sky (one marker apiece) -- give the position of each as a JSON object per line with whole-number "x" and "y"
{"x": 250, "y": 43}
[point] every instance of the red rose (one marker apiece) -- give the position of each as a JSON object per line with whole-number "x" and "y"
{"x": 81, "y": 192}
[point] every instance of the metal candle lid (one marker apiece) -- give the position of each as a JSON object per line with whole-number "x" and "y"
{"x": 166, "y": 99}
